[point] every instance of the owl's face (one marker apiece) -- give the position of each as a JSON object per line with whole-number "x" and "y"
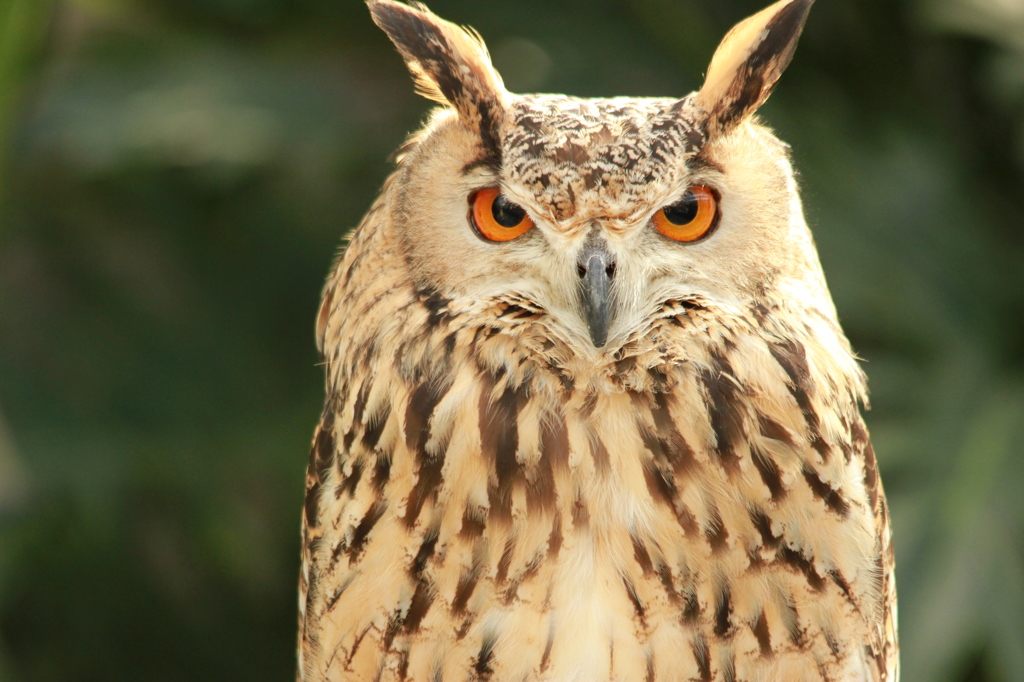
{"x": 597, "y": 212}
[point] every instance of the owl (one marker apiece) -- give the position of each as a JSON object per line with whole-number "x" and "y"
{"x": 590, "y": 415}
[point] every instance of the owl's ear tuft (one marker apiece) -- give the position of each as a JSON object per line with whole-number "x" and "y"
{"x": 449, "y": 63}
{"x": 748, "y": 63}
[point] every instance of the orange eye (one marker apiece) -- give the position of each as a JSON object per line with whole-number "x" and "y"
{"x": 496, "y": 218}
{"x": 690, "y": 218}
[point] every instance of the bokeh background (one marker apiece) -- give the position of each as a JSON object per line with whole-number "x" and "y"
{"x": 176, "y": 177}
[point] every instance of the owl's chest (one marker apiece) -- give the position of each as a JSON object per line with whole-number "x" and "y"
{"x": 471, "y": 523}
{"x": 619, "y": 546}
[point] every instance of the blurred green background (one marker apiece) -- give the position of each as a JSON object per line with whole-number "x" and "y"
{"x": 176, "y": 177}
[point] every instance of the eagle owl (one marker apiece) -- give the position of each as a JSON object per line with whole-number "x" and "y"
{"x": 589, "y": 412}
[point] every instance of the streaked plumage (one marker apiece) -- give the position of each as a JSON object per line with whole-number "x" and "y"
{"x": 491, "y": 496}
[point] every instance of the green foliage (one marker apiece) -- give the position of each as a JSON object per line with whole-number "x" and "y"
{"x": 22, "y": 24}
{"x": 178, "y": 175}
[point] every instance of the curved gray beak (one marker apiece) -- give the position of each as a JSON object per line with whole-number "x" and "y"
{"x": 596, "y": 269}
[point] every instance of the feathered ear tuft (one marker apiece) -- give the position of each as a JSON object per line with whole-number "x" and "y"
{"x": 449, "y": 63}
{"x": 748, "y": 63}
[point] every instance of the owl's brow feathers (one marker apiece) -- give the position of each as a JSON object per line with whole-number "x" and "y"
{"x": 599, "y": 157}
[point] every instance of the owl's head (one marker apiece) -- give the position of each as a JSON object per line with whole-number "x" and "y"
{"x": 598, "y": 211}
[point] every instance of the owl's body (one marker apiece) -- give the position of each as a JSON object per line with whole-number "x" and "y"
{"x": 517, "y": 478}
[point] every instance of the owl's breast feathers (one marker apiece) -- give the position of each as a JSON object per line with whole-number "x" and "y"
{"x": 483, "y": 504}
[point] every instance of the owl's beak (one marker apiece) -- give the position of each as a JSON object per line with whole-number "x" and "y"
{"x": 596, "y": 269}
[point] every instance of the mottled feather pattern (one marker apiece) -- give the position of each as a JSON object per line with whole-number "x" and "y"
{"x": 491, "y": 496}
{"x": 600, "y": 156}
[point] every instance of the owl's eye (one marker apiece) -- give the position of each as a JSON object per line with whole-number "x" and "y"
{"x": 692, "y": 217}
{"x": 496, "y": 218}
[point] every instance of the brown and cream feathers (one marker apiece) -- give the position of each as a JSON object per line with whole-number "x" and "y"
{"x": 492, "y": 496}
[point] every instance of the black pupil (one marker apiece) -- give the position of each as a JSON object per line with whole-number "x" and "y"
{"x": 506, "y": 213}
{"x": 684, "y": 211}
